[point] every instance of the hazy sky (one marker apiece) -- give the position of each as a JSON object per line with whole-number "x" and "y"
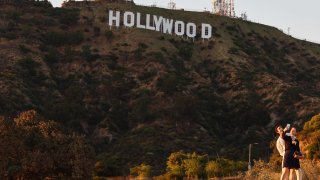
{"x": 302, "y": 16}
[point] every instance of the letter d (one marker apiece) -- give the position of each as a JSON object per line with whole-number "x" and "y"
{"x": 206, "y": 31}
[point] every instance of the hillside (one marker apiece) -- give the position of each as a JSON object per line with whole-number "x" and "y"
{"x": 139, "y": 95}
{"x": 311, "y": 138}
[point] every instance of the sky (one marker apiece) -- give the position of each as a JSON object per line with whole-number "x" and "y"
{"x": 301, "y": 18}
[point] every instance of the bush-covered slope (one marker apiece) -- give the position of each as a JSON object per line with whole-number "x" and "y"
{"x": 310, "y": 137}
{"x": 35, "y": 148}
{"x": 139, "y": 95}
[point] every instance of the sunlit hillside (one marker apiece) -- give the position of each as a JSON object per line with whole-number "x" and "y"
{"x": 137, "y": 96}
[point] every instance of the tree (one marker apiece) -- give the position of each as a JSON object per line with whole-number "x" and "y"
{"x": 313, "y": 124}
{"x": 180, "y": 164}
{"x": 35, "y": 148}
{"x": 193, "y": 165}
{"x": 212, "y": 169}
{"x": 311, "y": 138}
{"x": 174, "y": 164}
{"x": 223, "y": 167}
{"x": 143, "y": 171}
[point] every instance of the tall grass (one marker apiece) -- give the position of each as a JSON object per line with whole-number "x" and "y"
{"x": 310, "y": 170}
{"x": 265, "y": 171}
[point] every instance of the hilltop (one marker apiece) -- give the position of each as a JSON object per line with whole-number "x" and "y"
{"x": 139, "y": 95}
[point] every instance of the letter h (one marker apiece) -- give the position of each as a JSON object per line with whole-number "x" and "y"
{"x": 113, "y": 18}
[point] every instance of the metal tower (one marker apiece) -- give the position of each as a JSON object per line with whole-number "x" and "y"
{"x": 223, "y": 7}
{"x": 154, "y": 4}
{"x": 172, "y": 4}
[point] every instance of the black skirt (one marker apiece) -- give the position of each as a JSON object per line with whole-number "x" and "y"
{"x": 289, "y": 161}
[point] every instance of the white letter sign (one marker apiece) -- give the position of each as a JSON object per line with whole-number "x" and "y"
{"x": 113, "y": 18}
{"x": 191, "y": 30}
{"x": 128, "y": 16}
{"x": 206, "y": 31}
{"x": 160, "y": 24}
{"x": 179, "y": 28}
{"x": 139, "y": 25}
{"x": 167, "y": 25}
{"x": 157, "y": 21}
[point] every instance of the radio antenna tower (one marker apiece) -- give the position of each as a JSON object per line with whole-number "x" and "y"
{"x": 223, "y": 7}
{"x": 154, "y": 4}
{"x": 172, "y": 5}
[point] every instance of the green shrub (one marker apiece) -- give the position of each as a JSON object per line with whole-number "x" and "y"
{"x": 102, "y": 19}
{"x": 142, "y": 45}
{"x": 212, "y": 169}
{"x": 233, "y": 50}
{"x": 311, "y": 132}
{"x": 30, "y": 72}
{"x": 40, "y": 140}
{"x": 100, "y": 169}
{"x": 14, "y": 170}
{"x": 43, "y": 4}
{"x": 224, "y": 167}
{"x": 168, "y": 83}
{"x": 138, "y": 53}
{"x": 260, "y": 171}
{"x": 112, "y": 60}
{"x": 147, "y": 75}
{"x": 180, "y": 164}
{"x": 10, "y": 35}
{"x": 96, "y": 31}
{"x": 193, "y": 165}
{"x": 52, "y": 56}
{"x": 232, "y": 28}
{"x": 291, "y": 95}
{"x": 65, "y": 16}
{"x": 162, "y": 38}
{"x": 28, "y": 66}
{"x": 163, "y": 49}
{"x": 158, "y": 56}
{"x": 108, "y": 34}
{"x": 186, "y": 50}
{"x": 142, "y": 171}
{"x": 174, "y": 165}
{"x": 14, "y": 15}
{"x": 69, "y": 54}
{"x": 211, "y": 44}
{"x": 314, "y": 150}
{"x": 140, "y": 107}
{"x": 59, "y": 38}
{"x": 185, "y": 107}
{"x": 87, "y": 54}
{"x": 313, "y": 124}
{"x": 24, "y": 49}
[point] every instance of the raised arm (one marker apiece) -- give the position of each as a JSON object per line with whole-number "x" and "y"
{"x": 283, "y": 134}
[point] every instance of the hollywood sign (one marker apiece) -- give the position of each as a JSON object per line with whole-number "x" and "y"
{"x": 158, "y": 23}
